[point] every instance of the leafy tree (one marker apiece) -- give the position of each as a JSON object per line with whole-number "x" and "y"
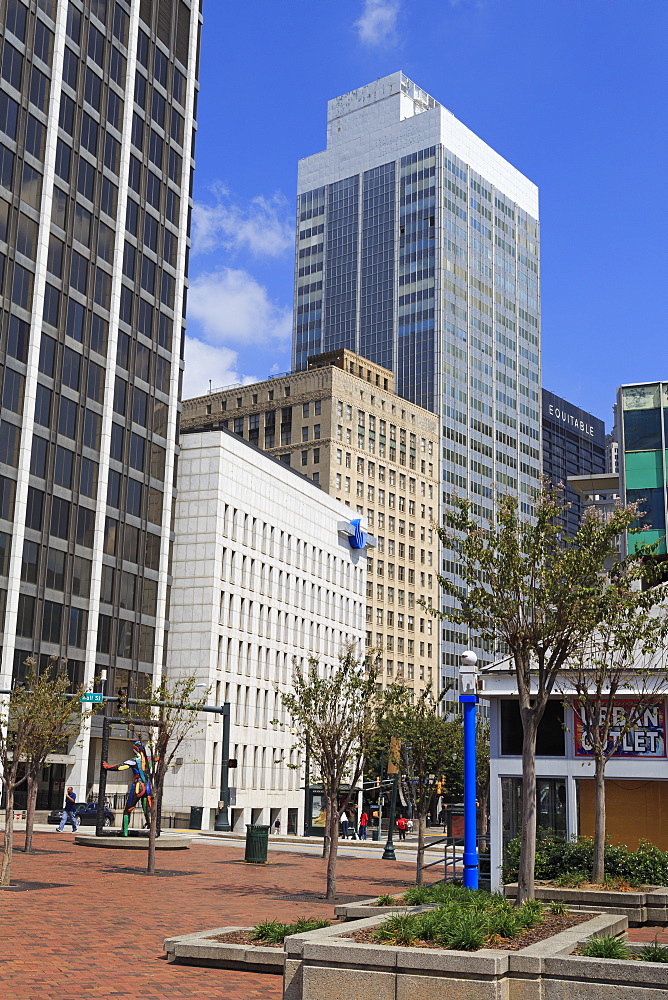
{"x": 338, "y": 711}
{"x": 34, "y": 721}
{"x": 428, "y": 744}
{"x": 59, "y": 719}
{"x": 171, "y": 708}
{"x": 543, "y": 595}
{"x": 620, "y": 656}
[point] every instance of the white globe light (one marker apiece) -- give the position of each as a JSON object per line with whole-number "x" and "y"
{"x": 468, "y": 658}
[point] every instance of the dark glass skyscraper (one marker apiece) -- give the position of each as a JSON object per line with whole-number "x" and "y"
{"x": 418, "y": 247}
{"x": 573, "y": 445}
{"x": 97, "y": 105}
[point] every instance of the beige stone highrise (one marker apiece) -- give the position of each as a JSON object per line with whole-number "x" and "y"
{"x": 341, "y": 424}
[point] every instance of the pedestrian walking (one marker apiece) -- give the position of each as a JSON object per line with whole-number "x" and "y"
{"x": 402, "y": 824}
{"x": 69, "y": 812}
{"x": 409, "y": 825}
{"x": 344, "y": 826}
{"x": 364, "y": 822}
{"x": 277, "y": 825}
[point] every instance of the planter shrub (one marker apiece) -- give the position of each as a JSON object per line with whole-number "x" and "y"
{"x": 562, "y": 859}
{"x": 465, "y": 922}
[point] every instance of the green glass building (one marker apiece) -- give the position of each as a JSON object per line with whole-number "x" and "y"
{"x": 644, "y": 449}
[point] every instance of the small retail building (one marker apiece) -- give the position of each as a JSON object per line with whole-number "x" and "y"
{"x": 636, "y": 777}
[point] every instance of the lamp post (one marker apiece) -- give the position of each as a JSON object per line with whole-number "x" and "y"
{"x": 468, "y": 699}
{"x": 393, "y": 769}
{"x": 222, "y": 820}
{"x": 307, "y": 780}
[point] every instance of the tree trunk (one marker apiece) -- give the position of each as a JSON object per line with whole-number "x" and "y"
{"x": 598, "y": 874}
{"x": 483, "y": 799}
{"x": 525, "y": 881}
{"x": 421, "y": 828}
{"x": 333, "y": 848}
{"x": 33, "y": 784}
{"x": 325, "y": 839}
{"x": 5, "y": 875}
{"x": 153, "y": 829}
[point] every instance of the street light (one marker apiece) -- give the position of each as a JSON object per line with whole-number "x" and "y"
{"x": 392, "y": 769}
{"x": 222, "y": 820}
{"x": 468, "y": 699}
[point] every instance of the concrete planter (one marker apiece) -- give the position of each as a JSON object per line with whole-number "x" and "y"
{"x": 367, "y": 908}
{"x": 641, "y": 907}
{"x": 165, "y": 842}
{"x": 200, "y": 949}
{"x": 324, "y": 965}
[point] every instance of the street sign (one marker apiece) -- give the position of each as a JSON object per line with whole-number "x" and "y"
{"x": 92, "y": 696}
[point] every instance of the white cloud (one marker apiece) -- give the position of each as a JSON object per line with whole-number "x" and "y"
{"x": 230, "y": 306}
{"x": 263, "y": 227}
{"x": 378, "y": 22}
{"x": 210, "y": 365}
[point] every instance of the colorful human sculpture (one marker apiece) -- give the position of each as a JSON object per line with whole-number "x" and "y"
{"x": 140, "y": 789}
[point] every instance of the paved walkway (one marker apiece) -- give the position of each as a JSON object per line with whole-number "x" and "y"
{"x": 645, "y": 934}
{"x": 91, "y": 924}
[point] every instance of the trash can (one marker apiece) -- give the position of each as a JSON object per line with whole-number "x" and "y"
{"x": 196, "y": 813}
{"x": 257, "y": 839}
{"x": 375, "y": 833}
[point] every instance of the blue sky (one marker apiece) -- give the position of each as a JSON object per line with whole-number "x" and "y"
{"x": 572, "y": 92}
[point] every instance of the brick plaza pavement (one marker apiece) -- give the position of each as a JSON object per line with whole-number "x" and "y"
{"x": 98, "y": 932}
{"x": 648, "y": 934}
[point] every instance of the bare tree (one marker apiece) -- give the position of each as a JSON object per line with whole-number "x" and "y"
{"x": 339, "y": 713}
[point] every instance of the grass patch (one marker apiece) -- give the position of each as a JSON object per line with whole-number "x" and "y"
{"x": 570, "y": 880}
{"x": 385, "y": 900}
{"x": 654, "y": 952}
{"x": 604, "y": 946}
{"x": 465, "y": 919}
{"x": 274, "y": 932}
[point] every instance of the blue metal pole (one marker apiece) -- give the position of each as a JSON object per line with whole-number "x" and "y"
{"x": 468, "y": 703}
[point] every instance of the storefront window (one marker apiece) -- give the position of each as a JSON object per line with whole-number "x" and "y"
{"x": 550, "y": 807}
{"x": 550, "y": 739}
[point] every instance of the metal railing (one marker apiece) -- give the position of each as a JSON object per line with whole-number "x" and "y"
{"x": 453, "y": 866}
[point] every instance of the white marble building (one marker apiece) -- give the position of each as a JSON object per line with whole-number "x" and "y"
{"x": 261, "y": 575}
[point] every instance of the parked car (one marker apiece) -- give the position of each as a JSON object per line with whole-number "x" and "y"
{"x": 86, "y": 814}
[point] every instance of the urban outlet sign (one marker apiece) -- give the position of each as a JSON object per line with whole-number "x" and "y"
{"x": 570, "y": 419}
{"x": 647, "y": 738}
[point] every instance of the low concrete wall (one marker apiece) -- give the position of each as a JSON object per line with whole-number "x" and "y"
{"x": 640, "y": 906}
{"x": 324, "y": 965}
{"x": 165, "y": 842}
{"x": 367, "y": 908}
{"x": 199, "y": 949}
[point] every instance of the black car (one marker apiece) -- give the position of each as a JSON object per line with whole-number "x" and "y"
{"x": 86, "y": 814}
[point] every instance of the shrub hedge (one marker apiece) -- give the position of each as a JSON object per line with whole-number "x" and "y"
{"x": 556, "y": 858}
